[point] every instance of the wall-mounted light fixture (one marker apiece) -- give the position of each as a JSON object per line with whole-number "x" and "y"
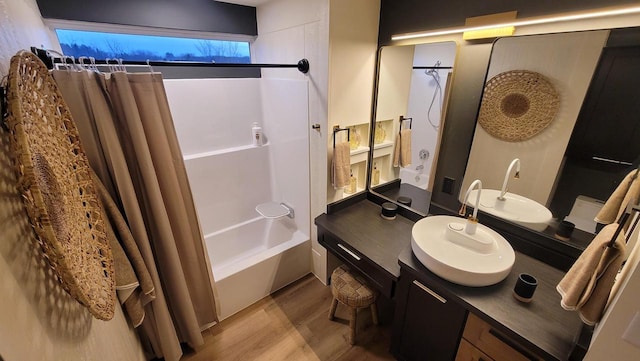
{"x": 489, "y": 20}
{"x": 598, "y": 13}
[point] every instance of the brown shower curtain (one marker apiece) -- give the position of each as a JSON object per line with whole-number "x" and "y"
{"x": 128, "y": 134}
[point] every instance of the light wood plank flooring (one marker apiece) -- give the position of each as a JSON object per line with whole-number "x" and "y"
{"x": 293, "y": 324}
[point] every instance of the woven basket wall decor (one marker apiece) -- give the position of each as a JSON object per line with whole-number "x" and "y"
{"x": 517, "y": 105}
{"x": 54, "y": 178}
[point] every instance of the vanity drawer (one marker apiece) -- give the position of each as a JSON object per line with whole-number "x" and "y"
{"x": 497, "y": 346}
{"x": 377, "y": 277}
{"x": 468, "y": 352}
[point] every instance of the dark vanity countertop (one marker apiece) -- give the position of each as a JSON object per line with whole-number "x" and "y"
{"x": 541, "y": 325}
{"x": 378, "y": 239}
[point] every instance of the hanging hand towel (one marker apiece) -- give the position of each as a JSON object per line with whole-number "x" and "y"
{"x": 341, "y": 165}
{"x": 628, "y": 191}
{"x": 587, "y": 285}
{"x": 402, "y": 149}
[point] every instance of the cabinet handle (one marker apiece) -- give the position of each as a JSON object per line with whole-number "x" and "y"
{"x": 511, "y": 344}
{"x": 430, "y": 291}
{"x": 349, "y": 252}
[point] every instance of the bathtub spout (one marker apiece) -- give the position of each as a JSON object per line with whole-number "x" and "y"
{"x": 291, "y": 213}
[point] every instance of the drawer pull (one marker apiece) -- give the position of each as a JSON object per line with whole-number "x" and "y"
{"x": 349, "y": 252}
{"x": 511, "y": 344}
{"x": 430, "y": 291}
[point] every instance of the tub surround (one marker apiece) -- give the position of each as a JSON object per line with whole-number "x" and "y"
{"x": 541, "y": 328}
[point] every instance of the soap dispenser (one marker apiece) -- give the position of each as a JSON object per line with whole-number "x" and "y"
{"x": 354, "y": 140}
{"x": 256, "y": 134}
{"x": 353, "y": 184}
{"x": 380, "y": 134}
{"x": 375, "y": 175}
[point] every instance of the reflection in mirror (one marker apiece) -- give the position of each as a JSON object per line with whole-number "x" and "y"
{"x": 568, "y": 61}
{"x": 410, "y": 104}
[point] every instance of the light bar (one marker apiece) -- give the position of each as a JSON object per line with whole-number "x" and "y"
{"x": 604, "y": 12}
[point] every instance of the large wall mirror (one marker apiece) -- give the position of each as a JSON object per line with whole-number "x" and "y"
{"x": 569, "y": 168}
{"x": 413, "y": 87}
{"x": 556, "y": 171}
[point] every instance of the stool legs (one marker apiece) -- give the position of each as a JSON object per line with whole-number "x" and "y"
{"x": 354, "y": 316}
{"x": 374, "y": 313}
{"x": 332, "y": 310}
{"x": 352, "y": 325}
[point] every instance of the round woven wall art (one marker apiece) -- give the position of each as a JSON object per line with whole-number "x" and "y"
{"x": 55, "y": 180}
{"x": 517, "y": 105}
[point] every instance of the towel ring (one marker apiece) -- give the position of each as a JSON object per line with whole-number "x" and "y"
{"x": 336, "y": 129}
{"x": 402, "y": 118}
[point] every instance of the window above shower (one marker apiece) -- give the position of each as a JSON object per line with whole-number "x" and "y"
{"x": 107, "y": 41}
{"x": 117, "y": 45}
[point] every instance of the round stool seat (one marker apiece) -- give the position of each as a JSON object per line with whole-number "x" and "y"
{"x": 351, "y": 290}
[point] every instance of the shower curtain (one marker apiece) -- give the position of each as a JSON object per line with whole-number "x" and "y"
{"x": 127, "y": 131}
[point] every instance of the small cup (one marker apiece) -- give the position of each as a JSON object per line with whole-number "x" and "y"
{"x": 525, "y": 287}
{"x": 404, "y": 200}
{"x": 565, "y": 228}
{"x": 389, "y": 210}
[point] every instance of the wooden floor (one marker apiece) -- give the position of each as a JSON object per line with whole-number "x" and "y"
{"x": 293, "y": 324}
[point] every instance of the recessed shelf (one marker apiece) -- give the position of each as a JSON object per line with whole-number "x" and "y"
{"x": 385, "y": 144}
{"x": 359, "y": 150}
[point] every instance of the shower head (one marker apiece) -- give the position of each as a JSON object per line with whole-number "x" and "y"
{"x": 433, "y": 71}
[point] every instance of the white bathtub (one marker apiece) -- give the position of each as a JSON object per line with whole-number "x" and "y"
{"x": 255, "y": 258}
{"x": 250, "y": 256}
{"x": 413, "y": 177}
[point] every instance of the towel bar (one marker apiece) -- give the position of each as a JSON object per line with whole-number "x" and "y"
{"x": 336, "y": 129}
{"x": 402, "y": 118}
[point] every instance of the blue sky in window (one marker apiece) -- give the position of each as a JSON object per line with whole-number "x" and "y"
{"x": 140, "y": 47}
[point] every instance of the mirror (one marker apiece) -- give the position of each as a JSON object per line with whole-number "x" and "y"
{"x": 413, "y": 85}
{"x": 571, "y": 188}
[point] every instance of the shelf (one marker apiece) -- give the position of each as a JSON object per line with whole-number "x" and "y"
{"x": 385, "y": 144}
{"x": 359, "y": 157}
{"x": 383, "y": 149}
{"x": 359, "y": 150}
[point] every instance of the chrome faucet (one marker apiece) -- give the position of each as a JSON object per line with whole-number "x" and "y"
{"x": 503, "y": 191}
{"x": 472, "y": 221}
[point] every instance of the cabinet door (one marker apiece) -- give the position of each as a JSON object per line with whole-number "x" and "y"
{"x": 431, "y": 325}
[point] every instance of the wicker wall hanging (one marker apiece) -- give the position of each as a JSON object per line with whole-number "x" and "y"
{"x": 53, "y": 175}
{"x": 517, "y": 105}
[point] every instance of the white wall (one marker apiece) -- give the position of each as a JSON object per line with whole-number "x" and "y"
{"x": 288, "y": 31}
{"x": 567, "y": 61}
{"x": 38, "y": 320}
{"x": 213, "y": 114}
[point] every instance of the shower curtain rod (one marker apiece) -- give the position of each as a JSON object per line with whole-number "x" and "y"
{"x": 302, "y": 65}
{"x": 433, "y": 67}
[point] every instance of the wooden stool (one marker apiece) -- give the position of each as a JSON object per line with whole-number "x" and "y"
{"x": 353, "y": 292}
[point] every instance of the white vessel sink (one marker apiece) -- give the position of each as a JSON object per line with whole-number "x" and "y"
{"x": 441, "y": 245}
{"x": 514, "y": 208}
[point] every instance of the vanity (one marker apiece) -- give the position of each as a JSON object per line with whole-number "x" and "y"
{"x": 438, "y": 320}
{"x": 450, "y": 151}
